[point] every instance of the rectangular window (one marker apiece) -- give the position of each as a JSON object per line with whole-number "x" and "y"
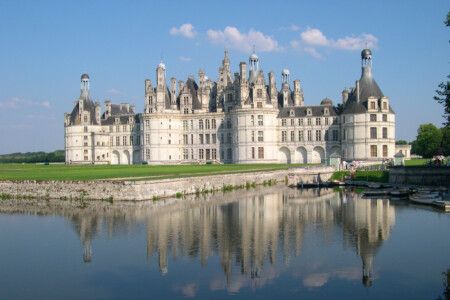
{"x": 192, "y": 153}
{"x": 292, "y": 136}
{"x": 318, "y": 135}
{"x": 229, "y": 153}
{"x": 200, "y": 154}
{"x": 117, "y": 128}
{"x": 292, "y": 122}
{"x": 259, "y": 104}
{"x": 185, "y": 139}
{"x": 335, "y": 135}
{"x": 309, "y": 135}
{"x": 206, "y": 124}
{"x": 230, "y": 97}
{"x": 385, "y": 150}
{"x": 385, "y": 118}
{"x": 283, "y": 136}
{"x": 228, "y": 123}
{"x": 373, "y": 132}
{"x": 326, "y": 121}
{"x": 124, "y": 128}
{"x": 300, "y": 122}
{"x": 213, "y": 154}
{"x": 260, "y": 152}
{"x": 253, "y": 152}
{"x": 185, "y": 125}
{"x": 208, "y": 154}
{"x": 309, "y": 121}
{"x": 213, "y": 138}
{"x": 207, "y": 138}
{"x": 301, "y": 138}
{"x": 147, "y": 139}
{"x": 85, "y": 137}
{"x": 326, "y": 135}
{"x": 343, "y": 119}
{"x": 85, "y": 119}
{"x": 283, "y": 122}
{"x": 317, "y": 121}
{"x": 385, "y": 133}
{"x": 344, "y": 134}
{"x": 260, "y": 120}
{"x": 131, "y": 140}
{"x": 147, "y": 124}
{"x": 259, "y": 93}
{"x": 192, "y": 139}
{"x": 260, "y": 136}
{"x": 200, "y": 124}
{"x": 222, "y": 140}
{"x": 201, "y": 139}
{"x": 229, "y": 138}
{"x": 117, "y": 140}
{"x": 213, "y": 123}
{"x": 192, "y": 124}
{"x": 373, "y": 150}
{"x": 253, "y": 136}
{"x": 124, "y": 140}
{"x": 147, "y": 154}
{"x": 385, "y": 105}
{"x": 372, "y": 104}
{"x": 185, "y": 154}
{"x": 373, "y": 117}
{"x": 252, "y": 120}
{"x": 85, "y": 129}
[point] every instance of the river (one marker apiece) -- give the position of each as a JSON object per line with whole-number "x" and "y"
{"x": 261, "y": 243}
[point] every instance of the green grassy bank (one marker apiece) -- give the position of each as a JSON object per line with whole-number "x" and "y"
{"x": 135, "y": 172}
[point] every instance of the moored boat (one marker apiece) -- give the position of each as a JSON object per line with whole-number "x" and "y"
{"x": 445, "y": 204}
{"x": 376, "y": 192}
{"x": 424, "y": 200}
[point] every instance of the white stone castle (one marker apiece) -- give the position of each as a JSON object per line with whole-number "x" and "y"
{"x": 238, "y": 119}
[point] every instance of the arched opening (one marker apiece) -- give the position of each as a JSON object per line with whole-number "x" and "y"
{"x": 126, "y": 155}
{"x": 301, "y": 155}
{"x": 335, "y": 149}
{"x": 284, "y": 155}
{"x": 115, "y": 158}
{"x": 318, "y": 155}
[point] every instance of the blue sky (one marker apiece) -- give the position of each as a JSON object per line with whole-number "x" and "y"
{"x": 46, "y": 46}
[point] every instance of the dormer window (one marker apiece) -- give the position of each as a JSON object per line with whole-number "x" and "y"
{"x": 130, "y": 120}
{"x": 385, "y": 105}
{"x": 117, "y": 120}
{"x": 372, "y": 104}
{"x": 291, "y": 113}
{"x": 326, "y": 112}
{"x": 309, "y": 111}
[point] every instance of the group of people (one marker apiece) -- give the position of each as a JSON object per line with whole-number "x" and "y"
{"x": 440, "y": 161}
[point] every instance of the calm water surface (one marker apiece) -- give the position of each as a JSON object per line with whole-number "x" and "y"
{"x": 263, "y": 243}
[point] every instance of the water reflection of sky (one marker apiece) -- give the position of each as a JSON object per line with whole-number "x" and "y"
{"x": 264, "y": 243}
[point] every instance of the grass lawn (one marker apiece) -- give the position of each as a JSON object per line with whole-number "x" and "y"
{"x": 417, "y": 162}
{"x": 89, "y": 172}
{"x": 373, "y": 176}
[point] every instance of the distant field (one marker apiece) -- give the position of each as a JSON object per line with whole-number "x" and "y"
{"x": 133, "y": 172}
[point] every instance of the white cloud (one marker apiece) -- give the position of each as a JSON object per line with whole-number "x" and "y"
{"x": 182, "y": 58}
{"x": 230, "y": 37}
{"x": 113, "y": 91}
{"x": 313, "y": 37}
{"x": 186, "y": 30}
{"x": 16, "y": 102}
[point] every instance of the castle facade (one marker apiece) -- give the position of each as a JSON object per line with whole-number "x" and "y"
{"x": 241, "y": 118}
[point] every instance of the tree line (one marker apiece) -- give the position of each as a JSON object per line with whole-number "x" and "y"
{"x": 33, "y": 157}
{"x": 430, "y": 141}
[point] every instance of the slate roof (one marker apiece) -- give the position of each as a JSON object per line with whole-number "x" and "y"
{"x": 88, "y": 105}
{"x": 301, "y": 112}
{"x": 367, "y": 88}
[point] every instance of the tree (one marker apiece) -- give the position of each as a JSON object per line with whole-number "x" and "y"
{"x": 445, "y": 143}
{"x": 427, "y": 141}
{"x": 401, "y": 142}
{"x": 443, "y": 93}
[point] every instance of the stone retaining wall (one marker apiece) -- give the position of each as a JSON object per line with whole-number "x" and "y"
{"x": 145, "y": 190}
{"x": 420, "y": 175}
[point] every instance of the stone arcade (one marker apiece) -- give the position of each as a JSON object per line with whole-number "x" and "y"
{"x": 241, "y": 118}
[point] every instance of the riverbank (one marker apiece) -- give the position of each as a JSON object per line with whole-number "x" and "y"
{"x": 119, "y": 190}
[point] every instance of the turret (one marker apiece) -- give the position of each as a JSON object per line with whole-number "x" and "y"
{"x": 253, "y": 63}
{"x": 243, "y": 71}
{"x": 344, "y": 96}
{"x": 97, "y": 112}
{"x": 298, "y": 94}
{"x": 173, "y": 93}
{"x": 285, "y": 77}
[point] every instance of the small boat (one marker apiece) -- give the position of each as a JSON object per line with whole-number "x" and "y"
{"x": 427, "y": 194}
{"x": 374, "y": 185}
{"x": 376, "y": 192}
{"x": 445, "y": 204}
{"x": 424, "y": 200}
{"x": 400, "y": 192}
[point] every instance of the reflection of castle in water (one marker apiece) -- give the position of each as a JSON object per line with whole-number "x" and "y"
{"x": 248, "y": 228}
